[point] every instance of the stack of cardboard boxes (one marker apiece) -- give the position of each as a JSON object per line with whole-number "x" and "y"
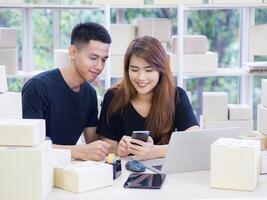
{"x": 217, "y": 113}
{"x": 8, "y": 50}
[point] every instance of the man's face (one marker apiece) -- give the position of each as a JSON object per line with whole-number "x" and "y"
{"x": 90, "y": 59}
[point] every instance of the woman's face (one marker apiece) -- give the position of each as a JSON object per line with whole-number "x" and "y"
{"x": 143, "y": 77}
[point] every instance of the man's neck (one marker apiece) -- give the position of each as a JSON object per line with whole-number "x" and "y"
{"x": 71, "y": 77}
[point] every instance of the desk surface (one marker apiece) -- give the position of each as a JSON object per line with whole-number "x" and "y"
{"x": 190, "y": 185}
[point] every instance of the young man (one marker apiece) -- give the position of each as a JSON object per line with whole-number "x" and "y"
{"x": 64, "y": 98}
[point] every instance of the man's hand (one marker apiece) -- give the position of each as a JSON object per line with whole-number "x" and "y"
{"x": 93, "y": 151}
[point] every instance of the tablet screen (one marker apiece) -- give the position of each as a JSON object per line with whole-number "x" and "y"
{"x": 145, "y": 181}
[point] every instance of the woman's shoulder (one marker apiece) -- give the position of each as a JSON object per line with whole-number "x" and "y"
{"x": 180, "y": 92}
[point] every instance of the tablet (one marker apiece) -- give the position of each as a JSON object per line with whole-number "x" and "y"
{"x": 144, "y": 181}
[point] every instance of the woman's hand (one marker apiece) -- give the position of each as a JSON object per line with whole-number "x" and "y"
{"x": 142, "y": 150}
{"x": 123, "y": 146}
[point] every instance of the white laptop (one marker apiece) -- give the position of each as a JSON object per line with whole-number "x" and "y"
{"x": 189, "y": 151}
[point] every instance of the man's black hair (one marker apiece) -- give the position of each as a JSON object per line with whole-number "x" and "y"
{"x": 84, "y": 32}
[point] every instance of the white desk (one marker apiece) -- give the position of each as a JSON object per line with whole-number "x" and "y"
{"x": 191, "y": 185}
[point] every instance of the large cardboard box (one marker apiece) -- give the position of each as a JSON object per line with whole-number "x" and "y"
{"x": 122, "y": 35}
{"x": 9, "y": 58}
{"x": 8, "y": 38}
{"x": 26, "y": 172}
{"x": 246, "y": 126}
{"x": 239, "y": 112}
{"x": 234, "y": 164}
{"x": 258, "y": 40}
{"x": 159, "y": 28}
{"x": 193, "y": 44}
{"x": 21, "y": 132}
{"x": 215, "y": 106}
{"x": 3, "y": 79}
{"x": 195, "y": 63}
{"x": 83, "y": 176}
{"x": 10, "y": 105}
{"x": 61, "y": 58}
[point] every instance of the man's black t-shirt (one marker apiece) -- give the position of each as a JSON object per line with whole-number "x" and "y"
{"x": 123, "y": 124}
{"x": 47, "y": 96}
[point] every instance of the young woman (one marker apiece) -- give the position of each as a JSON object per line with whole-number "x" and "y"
{"x": 145, "y": 99}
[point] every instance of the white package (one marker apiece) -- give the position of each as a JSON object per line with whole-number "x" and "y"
{"x": 62, "y": 157}
{"x": 3, "y": 79}
{"x": 122, "y": 35}
{"x": 9, "y": 58}
{"x": 215, "y": 105}
{"x": 258, "y": 40}
{"x": 21, "y": 132}
{"x": 26, "y": 172}
{"x": 264, "y": 92}
{"x": 61, "y": 58}
{"x": 10, "y": 105}
{"x": 239, "y": 112}
{"x": 195, "y": 63}
{"x": 83, "y": 176}
{"x": 159, "y": 28}
{"x": 193, "y": 44}
{"x": 119, "y": 2}
{"x": 175, "y": 2}
{"x": 116, "y": 65}
{"x": 8, "y": 38}
{"x": 246, "y": 126}
{"x": 261, "y": 122}
{"x": 234, "y": 164}
{"x": 257, "y": 136}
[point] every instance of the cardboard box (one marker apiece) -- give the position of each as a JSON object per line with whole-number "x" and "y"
{"x": 61, "y": 58}
{"x": 246, "y": 126}
{"x": 239, "y": 112}
{"x": 193, "y": 44}
{"x": 116, "y": 65}
{"x": 235, "y": 164}
{"x": 83, "y": 176}
{"x": 9, "y": 58}
{"x": 119, "y": 2}
{"x": 176, "y": 2}
{"x": 10, "y": 105}
{"x": 257, "y": 136}
{"x": 3, "y": 79}
{"x": 258, "y": 40}
{"x": 8, "y": 37}
{"x": 26, "y": 172}
{"x": 196, "y": 63}
{"x": 261, "y": 122}
{"x": 122, "y": 35}
{"x": 264, "y": 92}
{"x": 62, "y": 157}
{"x": 159, "y": 28}
{"x": 215, "y": 106}
{"x": 21, "y": 132}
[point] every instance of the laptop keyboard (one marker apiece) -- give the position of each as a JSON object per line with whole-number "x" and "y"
{"x": 158, "y": 167}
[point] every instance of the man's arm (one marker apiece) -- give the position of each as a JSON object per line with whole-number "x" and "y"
{"x": 90, "y": 135}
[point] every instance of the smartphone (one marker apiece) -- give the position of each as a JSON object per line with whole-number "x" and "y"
{"x": 140, "y": 135}
{"x": 145, "y": 181}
